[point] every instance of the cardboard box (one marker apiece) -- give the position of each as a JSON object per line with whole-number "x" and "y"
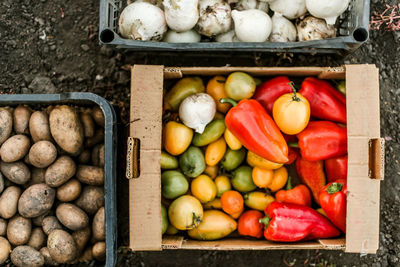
{"x": 365, "y": 162}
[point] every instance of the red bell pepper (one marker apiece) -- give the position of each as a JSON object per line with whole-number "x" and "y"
{"x": 249, "y": 224}
{"x": 336, "y": 168}
{"x": 299, "y": 195}
{"x": 291, "y": 223}
{"x": 311, "y": 173}
{"x": 271, "y": 90}
{"x": 333, "y": 202}
{"x": 326, "y": 102}
{"x": 322, "y": 140}
{"x": 256, "y": 130}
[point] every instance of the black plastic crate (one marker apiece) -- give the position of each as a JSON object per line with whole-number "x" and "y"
{"x": 353, "y": 28}
{"x": 110, "y": 147}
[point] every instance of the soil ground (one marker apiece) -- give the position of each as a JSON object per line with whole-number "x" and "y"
{"x": 52, "y": 46}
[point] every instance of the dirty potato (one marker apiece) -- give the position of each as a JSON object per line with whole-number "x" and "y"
{"x": 86, "y": 256}
{"x": 3, "y": 227}
{"x": 90, "y": 175}
{"x": 16, "y": 172}
{"x": 36, "y": 200}
{"x": 66, "y": 129}
{"x": 91, "y": 199}
{"x": 51, "y": 223}
{"x": 21, "y": 117}
{"x": 72, "y": 216}
{"x": 5, "y": 249}
{"x": 81, "y": 238}
{"x": 98, "y": 155}
{"x": 98, "y": 116}
{"x": 39, "y": 126}
{"x": 6, "y": 122}
{"x": 9, "y": 202}
{"x": 88, "y": 124}
{"x": 26, "y": 256}
{"x": 37, "y": 176}
{"x": 96, "y": 139}
{"x": 69, "y": 191}
{"x": 98, "y": 226}
{"x": 84, "y": 157}
{"x": 42, "y": 154}
{"x": 60, "y": 171}
{"x": 37, "y": 221}
{"x": 15, "y": 148}
{"x": 48, "y": 260}
{"x": 19, "y": 230}
{"x": 1, "y": 183}
{"x": 37, "y": 239}
{"x": 99, "y": 251}
{"x": 62, "y": 247}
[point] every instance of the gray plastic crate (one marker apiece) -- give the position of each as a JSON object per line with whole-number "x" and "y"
{"x": 353, "y": 28}
{"x": 110, "y": 146}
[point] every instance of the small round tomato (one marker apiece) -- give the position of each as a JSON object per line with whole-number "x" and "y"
{"x": 279, "y": 180}
{"x": 186, "y": 212}
{"x": 240, "y": 85}
{"x": 232, "y": 203}
{"x": 177, "y": 137}
{"x": 216, "y": 89}
{"x": 242, "y": 180}
{"x": 249, "y": 224}
{"x": 291, "y": 113}
{"x": 262, "y": 177}
{"x": 223, "y": 184}
{"x": 211, "y": 171}
{"x": 203, "y": 188}
{"x": 215, "y": 151}
{"x": 258, "y": 200}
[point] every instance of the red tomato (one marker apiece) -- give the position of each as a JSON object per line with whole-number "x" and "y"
{"x": 249, "y": 224}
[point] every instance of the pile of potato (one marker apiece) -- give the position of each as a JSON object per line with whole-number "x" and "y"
{"x": 51, "y": 185}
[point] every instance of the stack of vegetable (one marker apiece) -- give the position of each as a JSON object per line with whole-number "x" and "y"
{"x": 51, "y": 185}
{"x": 192, "y": 21}
{"x": 228, "y": 149}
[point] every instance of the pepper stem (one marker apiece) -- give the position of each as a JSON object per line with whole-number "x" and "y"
{"x": 265, "y": 221}
{"x": 295, "y": 98}
{"x": 289, "y": 183}
{"x": 334, "y": 188}
{"x": 293, "y": 144}
{"x": 228, "y": 100}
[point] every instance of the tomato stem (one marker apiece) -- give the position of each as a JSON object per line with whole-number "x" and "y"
{"x": 295, "y": 97}
{"x": 289, "y": 183}
{"x": 293, "y": 144}
{"x": 228, "y": 100}
{"x": 265, "y": 221}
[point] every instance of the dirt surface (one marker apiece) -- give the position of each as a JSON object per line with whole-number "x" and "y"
{"x": 52, "y": 46}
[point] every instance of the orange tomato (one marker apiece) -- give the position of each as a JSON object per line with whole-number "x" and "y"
{"x": 279, "y": 180}
{"x": 262, "y": 177}
{"x": 232, "y": 203}
{"x": 215, "y": 152}
{"x": 249, "y": 224}
{"x": 216, "y": 89}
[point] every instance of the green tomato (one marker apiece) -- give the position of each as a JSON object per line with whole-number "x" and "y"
{"x": 164, "y": 219}
{"x": 242, "y": 180}
{"x": 233, "y": 159}
{"x": 212, "y": 132}
{"x": 174, "y": 184}
{"x": 192, "y": 162}
{"x": 168, "y": 161}
{"x": 240, "y": 85}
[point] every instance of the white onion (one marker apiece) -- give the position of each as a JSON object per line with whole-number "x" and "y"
{"x": 215, "y": 17}
{"x": 252, "y": 25}
{"x": 327, "y": 9}
{"x": 181, "y": 15}
{"x": 291, "y": 9}
{"x": 190, "y": 36}
{"x": 283, "y": 29}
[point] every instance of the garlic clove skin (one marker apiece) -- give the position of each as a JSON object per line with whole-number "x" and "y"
{"x": 327, "y": 9}
{"x": 215, "y": 17}
{"x": 181, "y": 15}
{"x": 190, "y": 36}
{"x": 311, "y": 28}
{"x": 283, "y": 29}
{"x": 142, "y": 21}
{"x": 196, "y": 111}
{"x": 252, "y": 25}
{"x": 291, "y": 9}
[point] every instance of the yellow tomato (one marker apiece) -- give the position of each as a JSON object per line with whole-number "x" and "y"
{"x": 223, "y": 184}
{"x": 255, "y": 160}
{"x": 215, "y": 225}
{"x": 231, "y": 140}
{"x": 177, "y": 137}
{"x": 291, "y": 113}
{"x": 215, "y": 152}
{"x": 216, "y": 89}
{"x": 262, "y": 177}
{"x": 240, "y": 85}
{"x": 211, "y": 171}
{"x": 279, "y": 180}
{"x": 186, "y": 212}
{"x": 258, "y": 200}
{"x": 215, "y": 204}
{"x": 203, "y": 188}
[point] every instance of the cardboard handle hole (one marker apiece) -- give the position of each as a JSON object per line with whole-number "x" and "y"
{"x": 133, "y": 158}
{"x": 376, "y": 158}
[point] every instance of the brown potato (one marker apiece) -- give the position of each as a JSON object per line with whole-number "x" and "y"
{"x": 62, "y": 247}
{"x": 16, "y": 172}
{"x": 66, "y": 129}
{"x": 21, "y": 116}
{"x": 37, "y": 239}
{"x": 5, "y": 249}
{"x": 19, "y": 230}
{"x": 39, "y": 126}
{"x": 9, "y": 202}
{"x": 98, "y": 116}
{"x": 3, "y": 227}
{"x": 90, "y": 175}
{"x": 81, "y": 238}
{"x": 88, "y": 124}
{"x": 91, "y": 199}
{"x": 48, "y": 260}
{"x": 69, "y": 191}
{"x": 96, "y": 139}
{"x": 36, "y": 200}
{"x": 42, "y": 154}
{"x": 6, "y": 123}
{"x": 37, "y": 176}
{"x": 37, "y": 221}
{"x": 84, "y": 157}
{"x": 86, "y": 256}
{"x": 98, "y": 226}
{"x": 1, "y": 183}
{"x": 99, "y": 251}
{"x": 98, "y": 155}
{"x": 51, "y": 223}
{"x": 72, "y": 216}
{"x": 60, "y": 171}
{"x": 15, "y": 148}
{"x": 26, "y": 256}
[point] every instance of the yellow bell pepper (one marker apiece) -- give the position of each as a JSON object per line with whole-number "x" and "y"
{"x": 255, "y": 160}
{"x": 177, "y": 138}
{"x": 258, "y": 200}
{"x": 231, "y": 140}
{"x": 211, "y": 171}
{"x": 215, "y": 152}
{"x": 271, "y": 179}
